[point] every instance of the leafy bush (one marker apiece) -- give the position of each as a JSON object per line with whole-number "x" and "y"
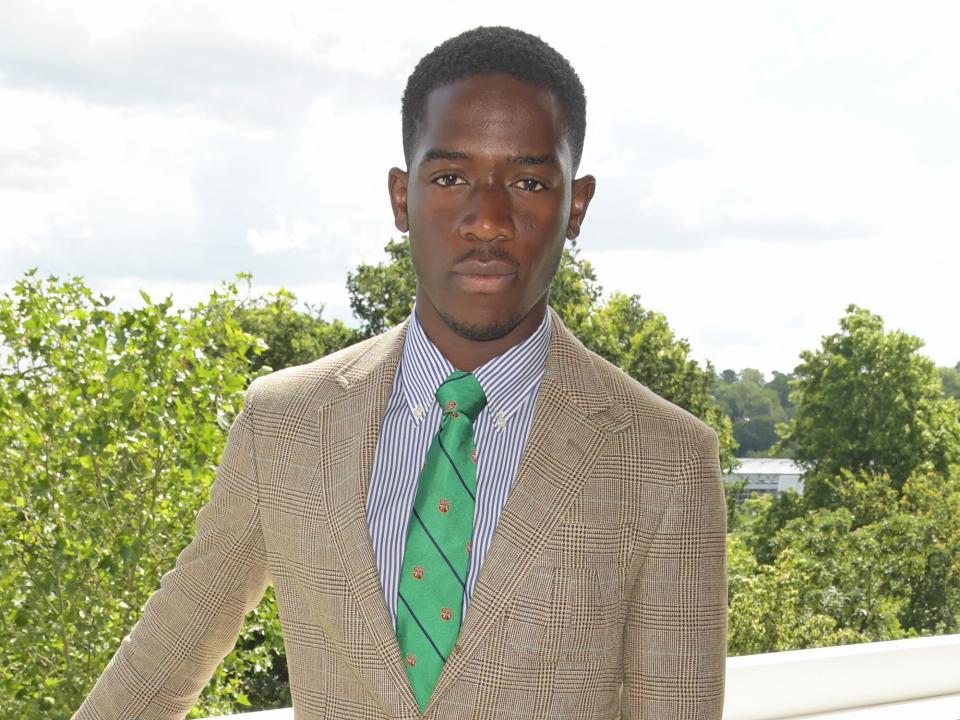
{"x": 112, "y": 424}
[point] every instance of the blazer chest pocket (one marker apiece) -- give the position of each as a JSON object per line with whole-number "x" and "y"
{"x": 564, "y": 614}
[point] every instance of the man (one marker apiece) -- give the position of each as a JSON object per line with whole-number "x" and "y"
{"x": 470, "y": 515}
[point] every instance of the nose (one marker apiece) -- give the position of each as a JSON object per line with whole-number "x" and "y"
{"x": 487, "y": 215}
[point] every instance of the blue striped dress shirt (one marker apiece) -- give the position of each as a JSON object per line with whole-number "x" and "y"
{"x": 510, "y": 381}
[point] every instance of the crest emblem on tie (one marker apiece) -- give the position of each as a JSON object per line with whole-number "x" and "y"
{"x": 469, "y": 546}
{"x": 446, "y": 613}
{"x": 451, "y": 405}
{"x": 411, "y": 659}
{"x": 444, "y": 505}
{"x": 473, "y": 454}
{"x": 417, "y": 572}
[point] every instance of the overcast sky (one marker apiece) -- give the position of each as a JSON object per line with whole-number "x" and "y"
{"x": 759, "y": 165}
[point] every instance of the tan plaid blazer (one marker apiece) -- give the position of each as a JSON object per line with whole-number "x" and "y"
{"x": 603, "y": 593}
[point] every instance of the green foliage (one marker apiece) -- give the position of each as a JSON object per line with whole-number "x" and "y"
{"x": 872, "y": 550}
{"x": 761, "y": 518}
{"x": 781, "y": 385}
{"x": 111, "y": 427}
{"x": 575, "y": 292}
{"x": 292, "y": 337}
{"x": 382, "y": 295}
{"x": 868, "y": 401}
{"x": 734, "y": 489}
{"x": 950, "y": 377}
{"x": 925, "y": 538}
{"x": 832, "y": 577}
{"x": 755, "y": 408}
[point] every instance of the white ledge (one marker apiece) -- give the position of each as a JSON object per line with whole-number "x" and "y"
{"x": 799, "y": 683}
{"x": 916, "y": 679}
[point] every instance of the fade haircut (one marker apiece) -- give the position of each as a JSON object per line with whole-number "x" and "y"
{"x": 489, "y": 50}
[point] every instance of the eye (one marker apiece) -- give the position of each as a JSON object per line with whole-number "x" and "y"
{"x": 530, "y": 185}
{"x": 448, "y": 180}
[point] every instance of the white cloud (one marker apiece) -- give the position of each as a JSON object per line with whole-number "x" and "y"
{"x": 806, "y": 152}
{"x": 282, "y": 238}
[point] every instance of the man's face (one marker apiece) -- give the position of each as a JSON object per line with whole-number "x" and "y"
{"x": 487, "y": 200}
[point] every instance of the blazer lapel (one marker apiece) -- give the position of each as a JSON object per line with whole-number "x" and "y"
{"x": 571, "y": 423}
{"x": 349, "y": 427}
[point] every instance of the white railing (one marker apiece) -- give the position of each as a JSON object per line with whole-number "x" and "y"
{"x": 862, "y": 681}
{"x": 916, "y": 679}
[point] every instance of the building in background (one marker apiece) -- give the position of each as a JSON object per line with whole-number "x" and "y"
{"x": 767, "y": 475}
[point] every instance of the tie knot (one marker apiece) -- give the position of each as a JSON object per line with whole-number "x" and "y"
{"x": 461, "y": 393}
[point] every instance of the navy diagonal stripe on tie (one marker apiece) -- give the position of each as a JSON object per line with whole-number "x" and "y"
{"x": 459, "y": 476}
{"x": 442, "y": 554}
{"x": 420, "y": 625}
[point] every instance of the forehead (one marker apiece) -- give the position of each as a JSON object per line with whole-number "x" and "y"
{"x": 493, "y": 112}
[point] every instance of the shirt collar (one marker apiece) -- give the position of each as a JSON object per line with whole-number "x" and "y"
{"x": 506, "y": 379}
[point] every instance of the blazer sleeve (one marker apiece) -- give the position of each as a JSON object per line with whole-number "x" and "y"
{"x": 675, "y": 638}
{"x": 193, "y": 620}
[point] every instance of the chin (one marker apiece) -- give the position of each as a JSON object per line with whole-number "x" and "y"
{"x": 484, "y": 328}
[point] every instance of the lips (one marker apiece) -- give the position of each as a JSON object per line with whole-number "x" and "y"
{"x": 485, "y": 267}
{"x": 484, "y": 277}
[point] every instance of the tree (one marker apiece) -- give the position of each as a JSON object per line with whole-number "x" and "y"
{"x": 881, "y": 565}
{"x": 781, "y": 385}
{"x": 382, "y": 295}
{"x": 754, "y": 407}
{"x": 923, "y": 545}
{"x": 762, "y": 516}
{"x": 822, "y": 590}
{"x": 871, "y": 551}
{"x": 291, "y": 336}
{"x": 111, "y": 426}
{"x": 951, "y": 381}
{"x": 867, "y": 401}
{"x": 728, "y": 376}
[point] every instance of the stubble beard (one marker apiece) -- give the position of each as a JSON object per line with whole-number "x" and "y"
{"x": 481, "y": 333}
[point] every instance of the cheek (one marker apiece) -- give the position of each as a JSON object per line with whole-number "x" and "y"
{"x": 426, "y": 255}
{"x": 432, "y": 211}
{"x": 550, "y": 216}
{"x": 418, "y": 254}
{"x": 548, "y": 224}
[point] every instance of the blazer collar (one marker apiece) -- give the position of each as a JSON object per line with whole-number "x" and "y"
{"x": 569, "y": 367}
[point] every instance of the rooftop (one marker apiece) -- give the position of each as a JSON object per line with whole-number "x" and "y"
{"x": 767, "y": 466}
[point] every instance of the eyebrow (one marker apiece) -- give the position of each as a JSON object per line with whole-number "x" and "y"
{"x": 439, "y": 154}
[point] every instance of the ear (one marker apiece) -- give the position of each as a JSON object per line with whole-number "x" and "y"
{"x": 583, "y": 189}
{"x": 397, "y": 187}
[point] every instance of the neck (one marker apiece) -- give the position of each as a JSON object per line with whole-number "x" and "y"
{"x": 465, "y": 354}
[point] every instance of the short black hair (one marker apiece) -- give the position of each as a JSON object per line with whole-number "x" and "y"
{"x": 489, "y": 50}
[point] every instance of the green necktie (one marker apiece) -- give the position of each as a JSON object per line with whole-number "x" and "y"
{"x": 436, "y": 556}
